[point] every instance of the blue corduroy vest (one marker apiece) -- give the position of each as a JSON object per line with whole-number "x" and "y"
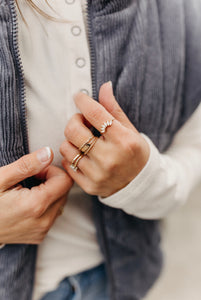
{"x": 151, "y": 50}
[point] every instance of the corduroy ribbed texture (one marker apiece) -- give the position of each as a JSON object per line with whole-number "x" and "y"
{"x": 151, "y": 50}
{"x": 11, "y": 142}
{"x": 141, "y": 47}
{"x": 16, "y": 261}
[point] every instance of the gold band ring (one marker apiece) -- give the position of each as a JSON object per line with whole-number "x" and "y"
{"x": 61, "y": 210}
{"x": 75, "y": 161}
{"x": 86, "y": 147}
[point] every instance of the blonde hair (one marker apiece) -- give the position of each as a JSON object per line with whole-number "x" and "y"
{"x": 40, "y": 11}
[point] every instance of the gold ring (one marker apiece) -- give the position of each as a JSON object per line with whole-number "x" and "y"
{"x": 105, "y": 125}
{"x": 75, "y": 161}
{"x": 86, "y": 147}
{"x": 61, "y": 210}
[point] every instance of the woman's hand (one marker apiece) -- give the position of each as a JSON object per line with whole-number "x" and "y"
{"x": 118, "y": 155}
{"x": 26, "y": 215}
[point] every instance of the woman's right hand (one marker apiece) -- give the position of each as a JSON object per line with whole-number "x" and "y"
{"x": 26, "y": 215}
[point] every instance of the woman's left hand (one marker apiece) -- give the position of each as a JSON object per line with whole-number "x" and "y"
{"x": 118, "y": 155}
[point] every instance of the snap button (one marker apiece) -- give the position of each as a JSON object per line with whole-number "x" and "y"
{"x": 69, "y": 1}
{"x": 76, "y": 30}
{"x": 80, "y": 62}
{"x": 84, "y": 91}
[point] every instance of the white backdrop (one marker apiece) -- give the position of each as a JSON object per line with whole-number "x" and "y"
{"x": 181, "y": 278}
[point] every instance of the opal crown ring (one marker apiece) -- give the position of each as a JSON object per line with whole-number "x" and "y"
{"x": 105, "y": 125}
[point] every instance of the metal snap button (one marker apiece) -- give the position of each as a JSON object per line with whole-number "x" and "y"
{"x": 80, "y": 62}
{"x": 70, "y": 1}
{"x": 84, "y": 91}
{"x": 76, "y": 30}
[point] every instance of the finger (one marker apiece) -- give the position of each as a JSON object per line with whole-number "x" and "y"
{"x": 57, "y": 184}
{"x": 96, "y": 114}
{"x": 51, "y": 214}
{"x": 77, "y": 133}
{"x": 69, "y": 152}
{"x": 82, "y": 180}
{"x": 56, "y": 209}
{"x": 27, "y": 166}
{"x": 107, "y": 99}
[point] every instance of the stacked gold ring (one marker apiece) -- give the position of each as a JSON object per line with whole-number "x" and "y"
{"x": 75, "y": 161}
{"x": 84, "y": 149}
{"x": 61, "y": 210}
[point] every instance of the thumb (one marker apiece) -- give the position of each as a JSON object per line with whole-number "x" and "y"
{"x": 107, "y": 99}
{"x": 27, "y": 166}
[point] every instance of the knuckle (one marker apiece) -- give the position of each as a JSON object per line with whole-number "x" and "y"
{"x": 40, "y": 205}
{"x": 45, "y": 225}
{"x": 24, "y": 207}
{"x": 110, "y": 166}
{"x": 129, "y": 143}
{"x": 29, "y": 209}
{"x": 90, "y": 189}
{"x": 133, "y": 146}
{"x": 67, "y": 182}
{"x": 70, "y": 129}
{"x": 99, "y": 179}
{"x": 38, "y": 209}
{"x": 46, "y": 194}
{"x": 25, "y": 165}
{"x": 62, "y": 148}
{"x": 33, "y": 208}
{"x": 78, "y": 117}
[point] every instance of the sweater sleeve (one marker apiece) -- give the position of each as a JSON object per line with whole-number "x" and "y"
{"x": 167, "y": 179}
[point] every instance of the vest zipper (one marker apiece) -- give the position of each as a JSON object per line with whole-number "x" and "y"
{"x": 19, "y": 76}
{"x": 95, "y": 96}
{"x": 91, "y": 49}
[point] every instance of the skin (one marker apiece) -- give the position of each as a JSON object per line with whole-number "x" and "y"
{"x": 26, "y": 215}
{"x": 115, "y": 160}
{"x": 119, "y": 154}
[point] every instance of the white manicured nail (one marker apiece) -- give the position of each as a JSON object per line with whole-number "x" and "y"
{"x": 44, "y": 154}
{"x": 110, "y": 83}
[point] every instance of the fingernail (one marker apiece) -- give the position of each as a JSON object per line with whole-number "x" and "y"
{"x": 110, "y": 83}
{"x": 44, "y": 154}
